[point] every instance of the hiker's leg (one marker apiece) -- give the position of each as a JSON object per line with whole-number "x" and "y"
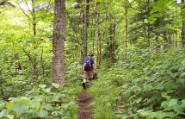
{"x": 84, "y": 80}
{"x": 91, "y": 73}
{"x": 88, "y": 79}
{"x": 84, "y": 76}
{"x": 88, "y": 76}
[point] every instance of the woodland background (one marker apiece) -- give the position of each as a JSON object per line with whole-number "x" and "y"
{"x": 138, "y": 48}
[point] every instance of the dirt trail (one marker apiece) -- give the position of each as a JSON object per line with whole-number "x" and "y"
{"x": 84, "y": 101}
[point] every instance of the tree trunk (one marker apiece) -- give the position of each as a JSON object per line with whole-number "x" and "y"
{"x": 34, "y": 22}
{"x": 112, "y": 44}
{"x": 183, "y": 25}
{"x": 148, "y": 24}
{"x": 33, "y": 63}
{"x": 126, "y": 25}
{"x": 167, "y": 43}
{"x": 42, "y": 62}
{"x": 98, "y": 40}
{"x": 157, "y": 33}
{"x": 58, "y": 42}
{"x": 85, "y": 19}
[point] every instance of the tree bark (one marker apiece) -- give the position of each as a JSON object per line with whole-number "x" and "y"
{"x": 183, "y": 24}
{"x": 112, "y": 44}
{"x": 58, "y": 42}
{"x": 85, "y": 19}
{"x": 148, "y": 24}
{"x": 34, "y": 22}
{"x": 126, "y": 25}
{"x": 98, "y": 40}
{"x": 34, "y": 64}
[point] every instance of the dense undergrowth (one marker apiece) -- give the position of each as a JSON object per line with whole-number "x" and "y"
{"x": 28, "y": 99}
{"x": 144, "y": 84}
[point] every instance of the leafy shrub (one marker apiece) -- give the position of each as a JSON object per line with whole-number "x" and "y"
{"x": 145, "y": 84}
{"x": 43, "y": 102}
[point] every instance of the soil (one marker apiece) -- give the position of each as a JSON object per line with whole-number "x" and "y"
{"x": 84, "y": 112}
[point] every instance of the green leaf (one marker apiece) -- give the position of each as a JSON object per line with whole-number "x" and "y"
{"x": 178, "y": 109}
{"x": 183, "y": 102}
{"x": 40, "y": 98}
{"x": 144, "y": 113}
{"x": 169, "y": 86}
{"x": 2, "y": 113}
{"x": 181, "y": 68}
{"x": 182, "y": 75}
{"x": 56, "y": 85}
{"x": 11, "y": 116}
{"x": 148, "y": 87}
{"x": 136, "y": 80}
{"x": 162, "y": 115}
{"x": 42, "y": 86}
{"x": 138, "y": 100}
{"x": 172, "y": 102}
{"x": 165, "y": 95}
{"x": 48, "y": 107}
{"x": 65, "y": 106}
{"x": 2, "y": 105}
{"x": 155, "y": 115}
{"x": 164, "y": 104}
{"x": 35, "y": 104}
{"x": 55, "y": 98}
{"x": 124, "y": 117}
{"x": 19, "y": 107}
{"x": 172, "y": 75}
{"x": 47, "y": 90}
{"x": 43, "y": 113}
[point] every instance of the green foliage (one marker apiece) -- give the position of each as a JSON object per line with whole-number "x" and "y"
{"x": 158, "y": 10}
{"x": 43, "y": 101}
{"x": 105, "y": 96}
{"x": 143, "y": 85}
{"x": 20, "y": 95}
{"x": 151, "y": 20}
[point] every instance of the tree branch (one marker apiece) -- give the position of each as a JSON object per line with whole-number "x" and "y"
{"x": 24, "y": 12}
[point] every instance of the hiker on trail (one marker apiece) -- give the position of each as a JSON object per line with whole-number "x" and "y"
{"x": 88, "y": 68}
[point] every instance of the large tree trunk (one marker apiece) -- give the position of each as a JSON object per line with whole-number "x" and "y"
{"x": 58, "y": 42}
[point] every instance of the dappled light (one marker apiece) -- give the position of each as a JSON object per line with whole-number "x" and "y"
{"x": 92, "y": 59}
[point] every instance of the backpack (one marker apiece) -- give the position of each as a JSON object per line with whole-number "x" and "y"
{"x": 88, "y": 66}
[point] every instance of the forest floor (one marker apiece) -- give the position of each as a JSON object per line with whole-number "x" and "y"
{"x": 84, "y": 112}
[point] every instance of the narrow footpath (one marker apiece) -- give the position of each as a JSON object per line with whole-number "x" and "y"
{"x": 84, "y": 112}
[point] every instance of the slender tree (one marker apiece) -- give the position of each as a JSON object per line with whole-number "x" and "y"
{"x": 112, "y": 43}
{"x": 183, "y": 23}
{"x": 126, "y": 23}
{"x": 34, "y": 21}
{"x": 97, "y": 37}
{"x": 85, "y": 22}
{"x": 31, "y": 15}
{"x": 58, "y": 42}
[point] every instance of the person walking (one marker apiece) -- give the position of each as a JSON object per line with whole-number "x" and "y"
{"x": 88, "y": 69}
